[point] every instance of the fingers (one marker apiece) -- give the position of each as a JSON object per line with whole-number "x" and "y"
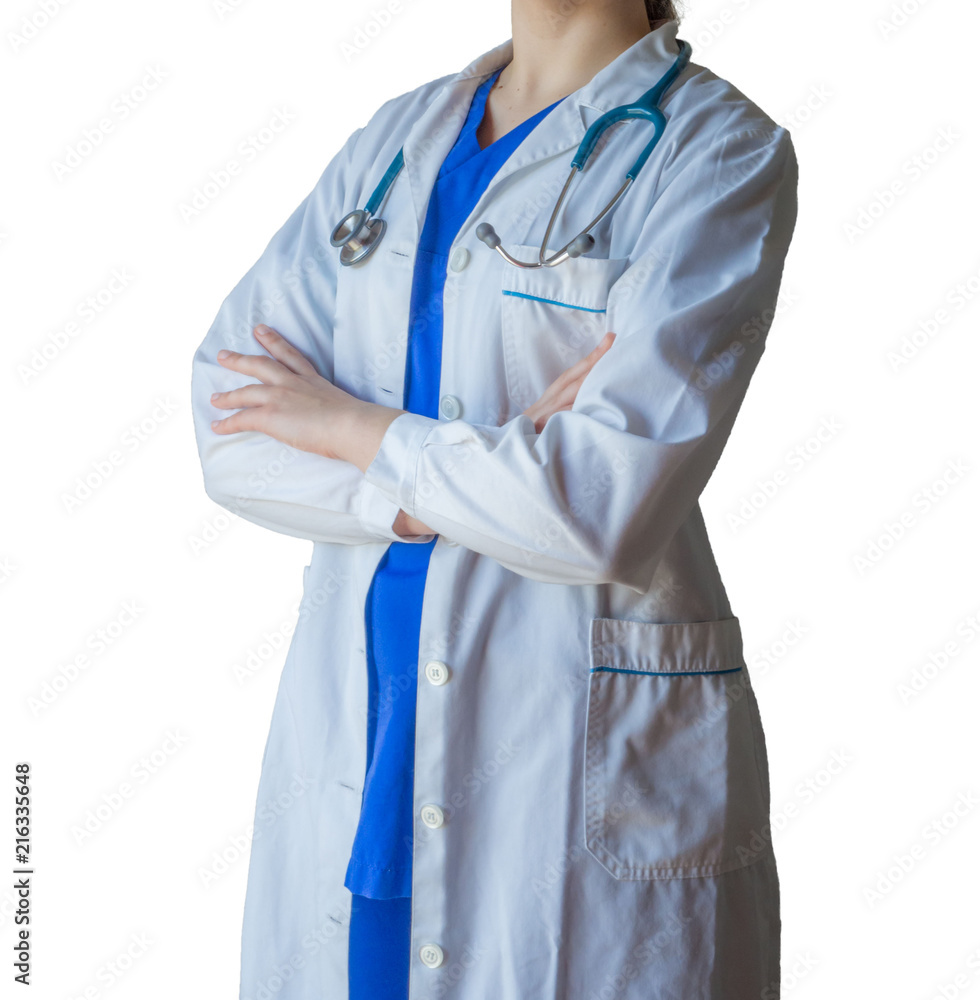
{"x": 597, "y": 352}
{"x": 243, "y": 420}
{"x": 284, "y": 357}
{"x": 269, "y": 370}
{"x": 283, "y": 350}
{"x": 560, "y": 395}
{"x": 581, "y": 368}
{"x": 246, "y": 399}
{"x": 246, "y": 395}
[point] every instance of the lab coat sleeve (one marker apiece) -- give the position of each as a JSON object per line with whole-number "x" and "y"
{"x": 292, "y": 288}
{"x": 597, "y": 496}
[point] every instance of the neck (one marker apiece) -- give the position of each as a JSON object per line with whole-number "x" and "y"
{"x": 559, "y": 45}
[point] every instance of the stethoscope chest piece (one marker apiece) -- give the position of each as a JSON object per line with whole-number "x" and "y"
{"x": 357, "y": 234}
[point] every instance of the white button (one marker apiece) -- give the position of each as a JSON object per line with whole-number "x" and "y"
{"x": 459, "y": 259}
{"x": 450, "y": 407}
{"x": 431, "y": 955}
{"x": 432, "y": 815}
{"x": 437, "y": 672}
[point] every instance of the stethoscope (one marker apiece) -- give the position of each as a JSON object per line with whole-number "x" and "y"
{"x": 358, "y": 233}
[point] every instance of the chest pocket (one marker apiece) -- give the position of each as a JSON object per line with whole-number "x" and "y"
{"x": 676, "y": 770}
{"x": 551, "y": 317}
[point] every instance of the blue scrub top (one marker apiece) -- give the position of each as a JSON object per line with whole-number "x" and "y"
{"x": 380, "y": 866}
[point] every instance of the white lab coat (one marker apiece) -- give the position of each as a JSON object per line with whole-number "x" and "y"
{"x": 585, "y": 721}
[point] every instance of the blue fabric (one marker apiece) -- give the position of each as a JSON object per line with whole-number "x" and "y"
{"x": 381, "y": 858}
{"x": 379, "y": 873}
{"x": 380, "y": 946}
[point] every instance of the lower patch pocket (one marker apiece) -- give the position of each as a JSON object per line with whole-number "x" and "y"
{"x": 676, "y": 773}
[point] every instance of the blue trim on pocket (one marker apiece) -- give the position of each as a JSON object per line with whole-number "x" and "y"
{"x": 553, "y": 302}
{"x": 663, "y": 673}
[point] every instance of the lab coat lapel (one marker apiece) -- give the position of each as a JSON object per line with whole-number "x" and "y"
{"x": 432, "y": 136}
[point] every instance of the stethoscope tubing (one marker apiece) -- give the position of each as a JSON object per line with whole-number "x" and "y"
{"x": 359, "y": 232}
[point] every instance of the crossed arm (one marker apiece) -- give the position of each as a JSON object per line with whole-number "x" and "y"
{"x": 296, "y": 405}
{"x": 255, "y": 474}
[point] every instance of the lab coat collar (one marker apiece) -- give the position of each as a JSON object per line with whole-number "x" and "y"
{"x": 625, "y": 78}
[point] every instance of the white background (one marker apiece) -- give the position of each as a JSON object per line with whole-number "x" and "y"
{"x": 862, "y": 104}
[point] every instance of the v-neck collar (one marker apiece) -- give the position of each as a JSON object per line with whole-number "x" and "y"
{"x": 467, "y": 145}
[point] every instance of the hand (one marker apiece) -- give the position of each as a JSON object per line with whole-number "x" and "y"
{"x": 562, "y": 392}
{"x": 294, "y": 404}
{"x": 406, "y": 525}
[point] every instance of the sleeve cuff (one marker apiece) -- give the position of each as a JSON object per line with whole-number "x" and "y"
{"x": 394, "y": 468}
{"x": 377, "y": 513}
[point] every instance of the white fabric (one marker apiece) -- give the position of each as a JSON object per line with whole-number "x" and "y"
{"x": 597, "y": 749}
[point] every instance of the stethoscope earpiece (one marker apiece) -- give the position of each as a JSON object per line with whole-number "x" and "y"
{"x": 485, "y": 233}
{"x": 582, "y": 243}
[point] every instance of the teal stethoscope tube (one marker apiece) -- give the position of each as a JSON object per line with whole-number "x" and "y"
{"x": 359, "y": 232}
{"x": 374, "y": 202}
{"x": 645, "y": 108}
